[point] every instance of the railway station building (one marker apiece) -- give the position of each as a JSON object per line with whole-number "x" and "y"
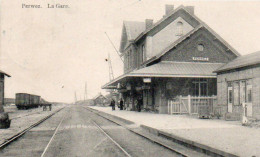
{"x": 170, "y": 64}
{"x": 239, "y": 86}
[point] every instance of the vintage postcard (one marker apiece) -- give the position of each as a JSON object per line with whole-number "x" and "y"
{"x": 144, "y": 78}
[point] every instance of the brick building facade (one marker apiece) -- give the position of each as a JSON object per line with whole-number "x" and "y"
{"x": 172, "y": 58}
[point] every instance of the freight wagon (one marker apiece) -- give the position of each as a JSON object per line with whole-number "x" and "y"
{"x": 26, "y": 101}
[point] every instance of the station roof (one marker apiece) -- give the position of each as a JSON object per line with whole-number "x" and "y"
{"x": 134, "y": 28}
{"x": 241, "y": 61}
{"x": 131, "y": 31}
{"x": 2, "y": 72}
{"x": 99, "y": 94}
{"x": 179, "y": 69}
{"x": 172, "y": 69}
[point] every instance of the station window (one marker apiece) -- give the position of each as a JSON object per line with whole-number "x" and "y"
{"x": 179, "y": 29}
{"x": 200, "y": 87}
{"x": 240, "y": 92}
{"x": 230, "y": 95}
{"x": 249, "y": 95}
{"x": 143, "y": 53}
{"x": 128, "y": 60}
{"x": 230, "y": 92}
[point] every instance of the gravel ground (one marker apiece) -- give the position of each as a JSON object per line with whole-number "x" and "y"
{"x": 228, "y": 136}
{"x": 24, "y": 122}
{"x": 33, "y": 142}
{"x": 13, "y": 112}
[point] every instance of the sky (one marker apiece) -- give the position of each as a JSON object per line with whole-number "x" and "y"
{"x": 53, "y": 52}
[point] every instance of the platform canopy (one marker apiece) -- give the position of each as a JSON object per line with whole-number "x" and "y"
{"x": 171, "y": 69}
{"x": 2, "y": 72}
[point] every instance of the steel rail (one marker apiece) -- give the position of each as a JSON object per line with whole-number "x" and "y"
{"x": 16, "y": 136}
{"x": 98, "y": 126}
{"x": 56, "y": 130}
{"x": 145, "y": 137}
{"x": 118, "y": 145}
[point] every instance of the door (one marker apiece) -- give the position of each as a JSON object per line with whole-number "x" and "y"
{"x": 236, "y": 93}
{"x": 242, "y": 92}
{"x": 249, "y": 100}
{"x": 230, "y": 98}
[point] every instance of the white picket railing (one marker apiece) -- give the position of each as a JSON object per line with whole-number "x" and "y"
{"x": 189, "y": 104}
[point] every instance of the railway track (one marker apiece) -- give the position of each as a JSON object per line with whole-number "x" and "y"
{"x": 55, "y": 132}
{"x": 180, "y": 150}
{"x": 55, "y": 141}
{"x": 18, "y": 135}
{"x": 123, "y": 148}
{"x": 117, "y": 144}
{"x": 97, "y": 126}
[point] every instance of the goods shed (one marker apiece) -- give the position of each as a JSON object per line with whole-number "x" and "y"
{"x": 238, "y": 85}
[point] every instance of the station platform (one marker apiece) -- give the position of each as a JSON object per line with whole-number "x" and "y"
{"x": 223, "y": 136}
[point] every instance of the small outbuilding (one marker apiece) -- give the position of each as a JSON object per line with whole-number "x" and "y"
{"x": 238, "y": 86}
{"x": 4, "y": 119}
{"x": 100, "y": 100}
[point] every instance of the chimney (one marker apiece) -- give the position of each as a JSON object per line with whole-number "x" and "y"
{"x": 190, "y": 9}
{"x": 168, "y": 9}
{"x": 148, "y": 23}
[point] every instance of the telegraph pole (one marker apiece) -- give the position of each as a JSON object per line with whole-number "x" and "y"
{"x": 85, "y": 95}
{"x": 111, "y": 74}
{"x": 114, "y": 47}
{"x": 75, "y": 97}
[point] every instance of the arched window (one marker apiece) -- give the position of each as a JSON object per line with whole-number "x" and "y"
{"x": 179, "y": 29}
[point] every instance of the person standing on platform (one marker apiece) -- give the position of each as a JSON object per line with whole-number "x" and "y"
{"x": 139, "y": 104}
{"x": 113, "y": 104}
{"x": 121, "y": 104}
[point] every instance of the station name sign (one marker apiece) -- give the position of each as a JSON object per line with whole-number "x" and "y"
{"x": 200, "y": 58}
{"x": 147, "y": 80}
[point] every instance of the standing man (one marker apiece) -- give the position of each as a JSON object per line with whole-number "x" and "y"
{"x": 121, "y": 104}
{"x": 139, "y": 104}
{"x": 112, "y": 104}
{"x": 50, "y": 107}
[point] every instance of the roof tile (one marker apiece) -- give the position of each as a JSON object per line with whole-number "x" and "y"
{"x": 181, "y": 69}
{"x": 241, "y": 61}
{"x": 134, "y": 28}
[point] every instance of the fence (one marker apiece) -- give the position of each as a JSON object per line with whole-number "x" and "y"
{"x": 189, "y": 104}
